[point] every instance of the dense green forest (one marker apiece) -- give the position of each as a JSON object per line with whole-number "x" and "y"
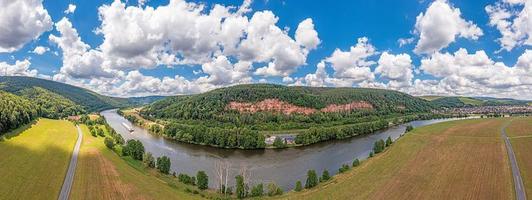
{"x": 458, "y": 102}
{"x": 211, "y": 105}
{"x": 51, "y": 105}
{"x": 15, "y": 111}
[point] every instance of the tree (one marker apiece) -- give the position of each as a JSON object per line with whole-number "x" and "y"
{"x": 371, "y": 154}
{"x": 257, "y": 190}
{"x": 240, "y": 187}
{"x": 356, "y": 162}
{"x": 379, "y": 146}
{"x": 409, "y": 128}
{"x": 278, "y": 143}
{"x": 274, "y": 189}
{"x": 325, "y": 176}
{"x": 389, "y": 141}
{"x": 298, "y": 186}
{"x": 163, "y": 164}
{"x": 109, "y": 143}
{"x": 202, "y": 180}
{"x": 134, "y": 148}
{"x": 312, "y": 179}
{"x": 344, "y": 168}
{"x": 186, "y": 179}
{"x": 148, "y": 160}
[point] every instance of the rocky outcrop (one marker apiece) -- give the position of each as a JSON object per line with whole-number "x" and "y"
{"x": 275, "y": 105}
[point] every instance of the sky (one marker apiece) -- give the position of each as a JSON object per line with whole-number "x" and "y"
{"x": 172, "y": 47}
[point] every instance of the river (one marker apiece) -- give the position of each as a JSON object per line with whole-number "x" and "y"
{"x": 282, "y": 166}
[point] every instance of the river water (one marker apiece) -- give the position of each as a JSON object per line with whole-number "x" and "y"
{"x": 282, "y": 166}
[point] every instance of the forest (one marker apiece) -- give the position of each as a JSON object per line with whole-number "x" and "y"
{"x": 15, "y": 111}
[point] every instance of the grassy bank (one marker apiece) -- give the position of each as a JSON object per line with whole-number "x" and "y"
{"x": 520, "y": 131}
{"x": 452, "y": 160}
{"x": 34, "y": 163}
{"x": 102, "y": 174}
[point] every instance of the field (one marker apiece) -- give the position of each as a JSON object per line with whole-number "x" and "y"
{"x": 471, "y": 101}
{"x": 101, "y": 174}
{"x": 35, "y": 162}
{"x": 453, "y": 160}
{"x": 520, "y": 131}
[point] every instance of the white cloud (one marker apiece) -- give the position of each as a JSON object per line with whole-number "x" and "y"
{"x": 515, "y": 27}
{"x": 306, "y": 35}
{"x": 396, "y": 68}
{"x": 21, "y": 21}
{"x": 71, "y": 8}
{"x": 79, "y": 61}
{"x": 440, "y": 25}
{"x": 353, "y": 65}
{"x": 222, "y": 72}
{"x": 405, "y": 41}
{"x": 20, "y": 68}
{"x": 40, "y": 50}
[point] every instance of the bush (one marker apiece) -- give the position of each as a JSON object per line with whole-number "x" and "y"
{"x": 371, "y": 154}
{"x": 409, "y": 128}
{"x": 379, "y": 146}
{"x": 389, "y": 141}
{"x": 100, "y": 132}
{"x": 241, "y": 191}
{"x": 312, "y": 179}
{"x": 344, "y": 168}
{"x": 134, "y": 148}
{"x": 274, "y": 189}
{"x": 298, "y": 186}
{"x": 278, "y": 143}
{"x": 186, "y": 179}
{"x": 109, "y": 143}
{"x": 257, "y": 191}
{"x": 163, "y": 164}
{"x": 202, "y": 180}
{"x": 148, "y": 160}
{"x": 356, "y": 162}
{"x": 325, "y": 176}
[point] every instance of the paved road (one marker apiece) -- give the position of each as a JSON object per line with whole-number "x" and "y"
{"x": 69, "y": 178}
{"x": 518, "y": 181}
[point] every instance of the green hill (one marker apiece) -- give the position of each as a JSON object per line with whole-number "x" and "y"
{"x": 211, "y": 104}
{"x": 15, "y": 111}
{"x": 454, "y": 102}
{"x": 89, "y": 100}
{"x": 51, "y": 105}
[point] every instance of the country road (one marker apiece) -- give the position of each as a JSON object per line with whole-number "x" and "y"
{"x": 518, "y": 181}
{"x": 69, "y": 178}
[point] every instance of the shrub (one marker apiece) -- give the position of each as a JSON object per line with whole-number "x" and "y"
{"x": 389, "y": 141}
{"x": 274, "y": 189}
{"x": 325, "y": 176}
{"x": 379, "y": 146}
{"x": 163, "y": 164}
{"x": 257, "y": 190}
{"x": 186, "y": 179}
{"x": 299, "y": 187}
{"x": 133, "y": 148}
{"x": 148, "y": 160}
{"x": 312, "y": 179}
{"x": 409, "y": 128}
{"x": 278, "y": 143}
{"x": 109, "y": 143}
{"x": 202, "y": 180}
{"x": 344, "y": 168}
{"x": 241, "y": 191}
{"x": 356, "y": 162}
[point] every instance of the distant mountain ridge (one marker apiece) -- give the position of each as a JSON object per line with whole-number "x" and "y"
{"x": 460, "y": 101}
{"x": 89, "y": 100}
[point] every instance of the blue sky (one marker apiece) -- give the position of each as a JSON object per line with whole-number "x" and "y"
{"x": 338, "y": 25}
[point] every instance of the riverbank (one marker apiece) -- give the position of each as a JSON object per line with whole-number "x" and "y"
{"x": 427, "y": 163}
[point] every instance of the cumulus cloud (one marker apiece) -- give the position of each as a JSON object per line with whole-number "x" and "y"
{"x": 79, "y": 61}
{"x": 353, "y": 65}
{"x": 395, "y": 68}
{"x": 21, "y": 22}
{"x": 440, "y": 25}
{"x": 306, "y": 35}
{"x": 40, "y": 50}
{"x": 20, "y": 68}
{"x": 515, "y": 27}
{"x": 71, "y": 8}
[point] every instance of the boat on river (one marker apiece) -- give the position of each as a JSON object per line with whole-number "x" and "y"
{"x": 129, "y": 128}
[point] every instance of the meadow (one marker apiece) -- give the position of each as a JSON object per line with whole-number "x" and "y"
{"x": 35, "y": 161}
{"x": 452, "y": 160}
{"x": 520, "y": 133}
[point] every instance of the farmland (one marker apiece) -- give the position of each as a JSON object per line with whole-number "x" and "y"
{"x": 451, "y": 160}
{"x": 520, "y": 133}
{"x": 34, "y": 163}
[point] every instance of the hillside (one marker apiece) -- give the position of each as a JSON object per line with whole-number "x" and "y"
{"x": 15, "y": 111}
{"x": 51, "y": 105}
{"x": 268, "y": 97}
{"x": 453, "y": 102}
{"x": 89, "y": 100}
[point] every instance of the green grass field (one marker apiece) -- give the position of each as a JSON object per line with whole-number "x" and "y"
{"x": 102, "y": 174}
{"x": 453, "y": 160}
{"x": 34, "y": 163}
{"x": 430, "y": 98}
{"x": 470, "y": 101}
{"x": 520, "y": 131}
